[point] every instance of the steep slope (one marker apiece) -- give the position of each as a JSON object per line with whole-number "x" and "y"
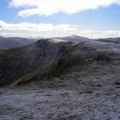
{"x": 16, "y": 63}
{"x": 13, "y": 42}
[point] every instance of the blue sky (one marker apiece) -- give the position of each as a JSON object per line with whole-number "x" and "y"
{"x": 96, "y": 18}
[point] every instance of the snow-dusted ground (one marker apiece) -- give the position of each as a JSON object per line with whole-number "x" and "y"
{"x": 90, "y": 92}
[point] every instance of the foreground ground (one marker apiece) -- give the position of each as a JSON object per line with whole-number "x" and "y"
{"x": 88, "y": 92}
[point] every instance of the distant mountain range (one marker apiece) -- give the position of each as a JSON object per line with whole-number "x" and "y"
{"x": 13, "y": 42}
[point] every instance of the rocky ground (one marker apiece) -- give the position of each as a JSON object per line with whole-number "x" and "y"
{"x": 88, "y": 92}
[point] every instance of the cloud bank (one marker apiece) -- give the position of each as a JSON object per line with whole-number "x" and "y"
{"x": 49, "y": 30}
{"x": 50, "y": 7}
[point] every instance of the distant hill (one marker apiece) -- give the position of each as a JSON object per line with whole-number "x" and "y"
{"x": 13, "y": 42}
{"x": 110, "y": 40}
{"x": 75, "y": 38}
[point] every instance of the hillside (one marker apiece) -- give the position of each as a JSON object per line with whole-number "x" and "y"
{"x": 13, "y": 42}
{"x": 48, "y": 55}
{"x": 58, "y": 79}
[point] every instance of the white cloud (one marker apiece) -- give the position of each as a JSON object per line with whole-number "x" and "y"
{"x": 50, "y": 7}
{"x": 50, "y": 30}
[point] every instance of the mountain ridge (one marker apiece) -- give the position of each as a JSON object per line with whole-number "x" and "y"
{"x": 46, "y": 56}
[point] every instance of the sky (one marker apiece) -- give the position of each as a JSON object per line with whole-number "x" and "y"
{"x": 57, "y": 18}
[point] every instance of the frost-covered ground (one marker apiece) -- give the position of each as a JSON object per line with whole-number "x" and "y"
{"x": 90, "y": 92}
